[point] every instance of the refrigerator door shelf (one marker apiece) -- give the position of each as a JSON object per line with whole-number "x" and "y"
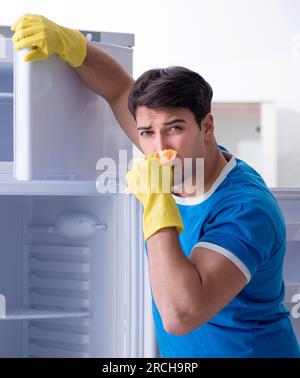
{"x": 29, "y": 314}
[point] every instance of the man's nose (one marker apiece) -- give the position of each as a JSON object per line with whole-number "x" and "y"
{"x": 159, "y": 144}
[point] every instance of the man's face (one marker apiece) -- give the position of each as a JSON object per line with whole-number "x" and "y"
{"x": 170, "y": 128}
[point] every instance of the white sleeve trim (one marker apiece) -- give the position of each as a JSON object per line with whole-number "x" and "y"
{"x": 228, "y": 254}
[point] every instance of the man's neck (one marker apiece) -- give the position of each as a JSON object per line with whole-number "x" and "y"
{"x": 212, "y": 169}
{"x": 212, "y": 172}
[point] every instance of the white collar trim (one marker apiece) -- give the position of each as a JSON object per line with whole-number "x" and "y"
{"x": 196, "y": 200}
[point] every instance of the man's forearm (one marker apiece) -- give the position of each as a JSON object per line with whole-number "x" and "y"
{"x": 103, "y": 74}
{"x": 175, "y": 282}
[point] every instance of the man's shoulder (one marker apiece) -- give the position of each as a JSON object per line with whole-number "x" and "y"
{"x": 241, "y": 177}
{"x": 244, "y": 183}
{"x": 244, "y": 188}
{"x": 247, "y": 202}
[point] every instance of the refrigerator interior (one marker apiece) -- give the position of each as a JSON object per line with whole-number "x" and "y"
{"x": 70, "y": 272}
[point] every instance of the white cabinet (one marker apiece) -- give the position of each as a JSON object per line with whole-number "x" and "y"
{"x": 249, "y": 131}
{"x": 263, "y": 134}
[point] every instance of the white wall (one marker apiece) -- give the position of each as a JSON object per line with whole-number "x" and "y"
{"x": 247, "y": 49}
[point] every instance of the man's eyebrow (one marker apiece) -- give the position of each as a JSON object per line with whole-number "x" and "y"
{"x": 144, "y": 127}
{"x": 168, "y": 123}
{"x": 176, "y": 120}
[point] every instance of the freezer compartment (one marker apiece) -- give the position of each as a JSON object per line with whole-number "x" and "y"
{"x": 64, "y": 274}
{"x": 52, "y": 126}
{"x": 61, "y": 127}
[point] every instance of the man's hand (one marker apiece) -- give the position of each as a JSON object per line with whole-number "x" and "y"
{"x": 151, "y": 182}
{"x": 47, "y": 38}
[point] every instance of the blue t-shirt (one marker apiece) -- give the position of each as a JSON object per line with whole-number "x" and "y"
{"x": 239, "y": 218}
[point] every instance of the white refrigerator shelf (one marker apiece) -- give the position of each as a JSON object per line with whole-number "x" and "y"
{"x": 9, "y": 185}
{"x": 6, "y": 95}
{"x": 28, "y": 313}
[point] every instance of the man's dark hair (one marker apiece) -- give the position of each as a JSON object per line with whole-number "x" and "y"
{"x": 171, "y": 87}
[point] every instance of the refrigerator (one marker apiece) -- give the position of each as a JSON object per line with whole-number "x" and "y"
{"x": 73, "y": 270}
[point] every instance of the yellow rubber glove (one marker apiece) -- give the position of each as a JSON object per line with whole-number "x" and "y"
{"x": 151, "y": 183}
{"x": 48, "y": 38}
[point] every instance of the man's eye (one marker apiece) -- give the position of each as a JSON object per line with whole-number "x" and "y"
{"x": 145, "y": 133}
{"x": 174, "y": 128}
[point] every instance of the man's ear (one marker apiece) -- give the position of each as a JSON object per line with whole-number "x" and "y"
{"x": 208, "y": 125}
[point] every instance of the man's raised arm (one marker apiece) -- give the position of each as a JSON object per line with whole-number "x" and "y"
{"x": 105, "y": 76}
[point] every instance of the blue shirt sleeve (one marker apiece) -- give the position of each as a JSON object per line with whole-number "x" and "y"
{"x": 243, "y": 233}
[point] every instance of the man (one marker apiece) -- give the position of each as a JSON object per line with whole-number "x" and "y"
{"x": 216, "y": 253}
